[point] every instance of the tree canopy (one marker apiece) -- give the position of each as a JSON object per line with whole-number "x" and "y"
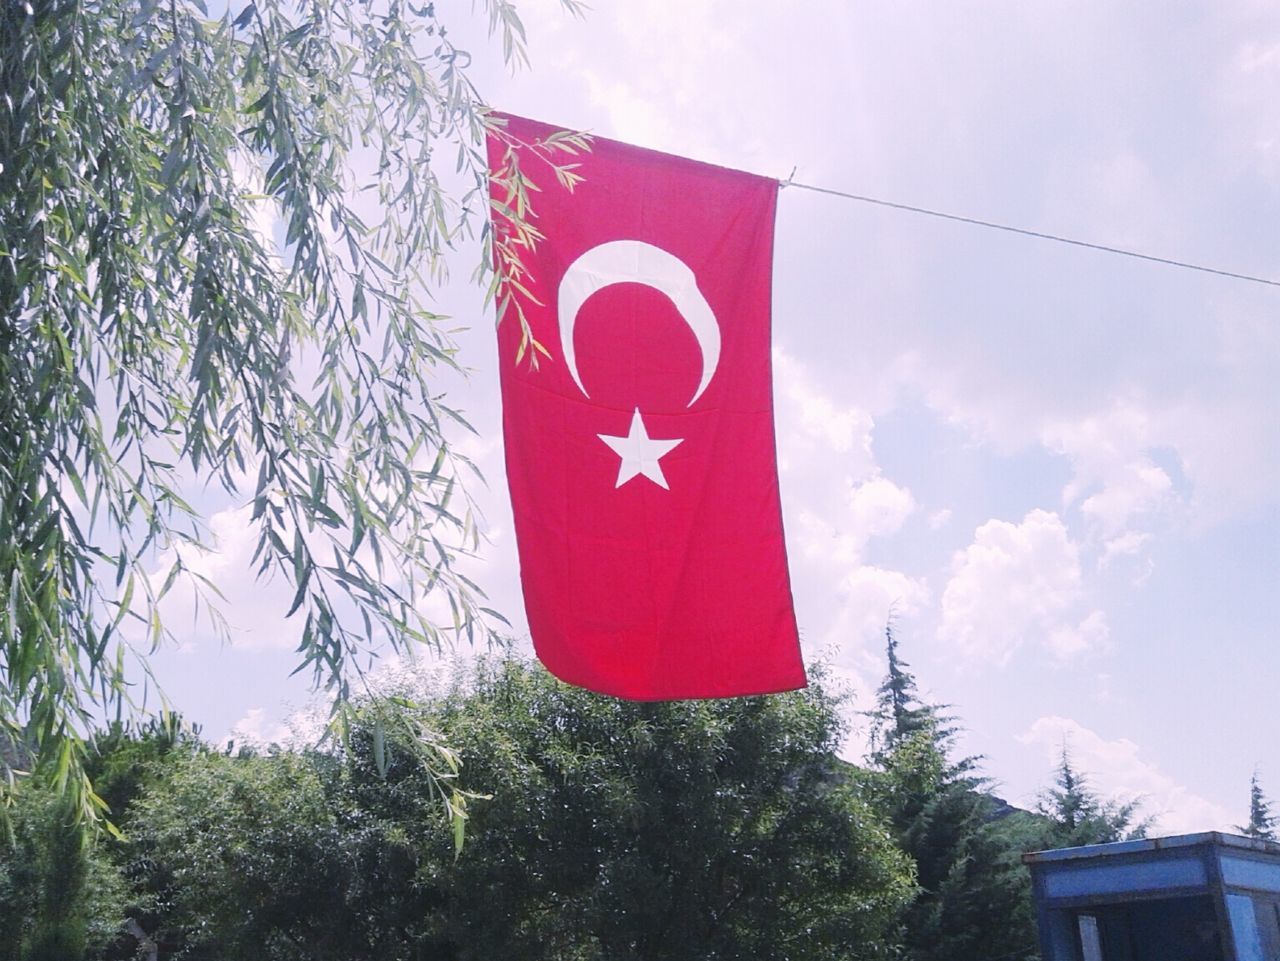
{"x": 973, "y": 894}
{"x": 215, "y": 240}
{"x": 1077, "y": 816}
{"x": 709, "y": 829}
{"x": 599, "y": 829}
{"x": 1262, "y": 823}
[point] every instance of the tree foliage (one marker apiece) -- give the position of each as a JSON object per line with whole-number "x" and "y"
{"x": 898, "y": 714}
{"x": 60, "y": 895}
{"x": 1075, "y": 815}
{"x": 243, "y": 857}
{"x": 155, "y": 337}
{"x": 973, "y": 894}
{"x": 708, "y": 829}
{"x": 1262, "y": 823}
{"x": 607, "y": 830}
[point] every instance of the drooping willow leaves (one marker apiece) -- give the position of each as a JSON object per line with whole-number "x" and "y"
{"x": 216, "y": 242}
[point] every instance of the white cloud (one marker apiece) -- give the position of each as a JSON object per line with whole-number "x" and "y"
{"x": 819, "y": 541}
{"x": 1013, "y": 582}
{"x": 1090, "y": 634}
{"x": 1116, "y": 769}
{"x": 1247, "y": 90}
{"x": 632, "y": 117}
{"x": 1114, "y": 480}
{"x": 837, "y": 501}
{"x": 289, "y": 728}
{"x": 1127, "y": 544}
{"x": 253, "y": 608}
{"x": 939, "y": 519}
{"x": 255, "y": 729}
{"x": 876, "y": 508}
{"x": 872, "y": 593}
{"x": 264, "y": 217}
{"x": 1126, "y": 553}
{"x": 812, "y": 423}
{"x": 1141, "y": 488}
{"x": 879, "y": 507}
{"x": 826, "y": 446}
{"x": 867, "y": 596}
{"x": 1227, "y": 443}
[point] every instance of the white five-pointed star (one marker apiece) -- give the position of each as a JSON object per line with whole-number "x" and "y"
{"x": 640, "y": 453}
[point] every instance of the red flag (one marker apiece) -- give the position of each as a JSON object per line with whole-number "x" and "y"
{"x": 640, "y": 456}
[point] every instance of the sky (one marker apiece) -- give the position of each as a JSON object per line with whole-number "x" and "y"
{"x": 1057, "y": 468}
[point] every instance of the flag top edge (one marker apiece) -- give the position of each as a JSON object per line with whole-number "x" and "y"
{"x": 675, "y": 159}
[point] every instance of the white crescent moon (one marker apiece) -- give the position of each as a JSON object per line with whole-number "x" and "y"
{"x": 633, "y": 261}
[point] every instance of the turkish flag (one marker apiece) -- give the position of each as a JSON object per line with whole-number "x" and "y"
{"x": 640, "y": 452}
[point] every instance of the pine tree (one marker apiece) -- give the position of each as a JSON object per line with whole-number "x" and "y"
{"x": 899, "y": 715}
{"x": 1262, "y": 822}
{"x": 973, "y": 891}
{"x": 1077, "y": 816}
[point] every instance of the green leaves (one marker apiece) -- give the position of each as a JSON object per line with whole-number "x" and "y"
{"x": 606, "y": 829}
{"x": 514, "y": 232}
{"x": 687, "y": 829}
{"x": 155, "y": 334}
{"x": 973, "y": 896}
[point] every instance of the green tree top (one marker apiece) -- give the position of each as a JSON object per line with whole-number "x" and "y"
{"x": 898, "y": 713}
{"x": 973, "y": 896}
{"x": 606, "y": 830}
{"x": 1262, "y": 823}
{"x": 1077, "y": 816}
{"x": 907, "y": 733}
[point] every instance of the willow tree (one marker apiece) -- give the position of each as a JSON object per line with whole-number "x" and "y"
{"x": 217, "y": 239}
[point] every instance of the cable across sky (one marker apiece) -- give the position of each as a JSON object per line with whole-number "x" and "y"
{"x": 1040, "y": 235}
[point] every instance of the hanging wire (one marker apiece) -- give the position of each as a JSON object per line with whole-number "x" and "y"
{"x": 1030, "y": 233}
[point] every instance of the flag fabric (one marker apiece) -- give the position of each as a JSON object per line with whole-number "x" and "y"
{"x": 640, "y": 452}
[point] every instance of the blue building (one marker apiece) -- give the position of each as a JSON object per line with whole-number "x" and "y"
{"x": 1196, "y": 897}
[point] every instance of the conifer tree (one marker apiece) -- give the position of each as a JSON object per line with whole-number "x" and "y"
{"x": 1077, "y": 816}
{"x": 972, "y": 891}
{"x": 1262, "y": 823}
{"x": 899, "y": 714}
